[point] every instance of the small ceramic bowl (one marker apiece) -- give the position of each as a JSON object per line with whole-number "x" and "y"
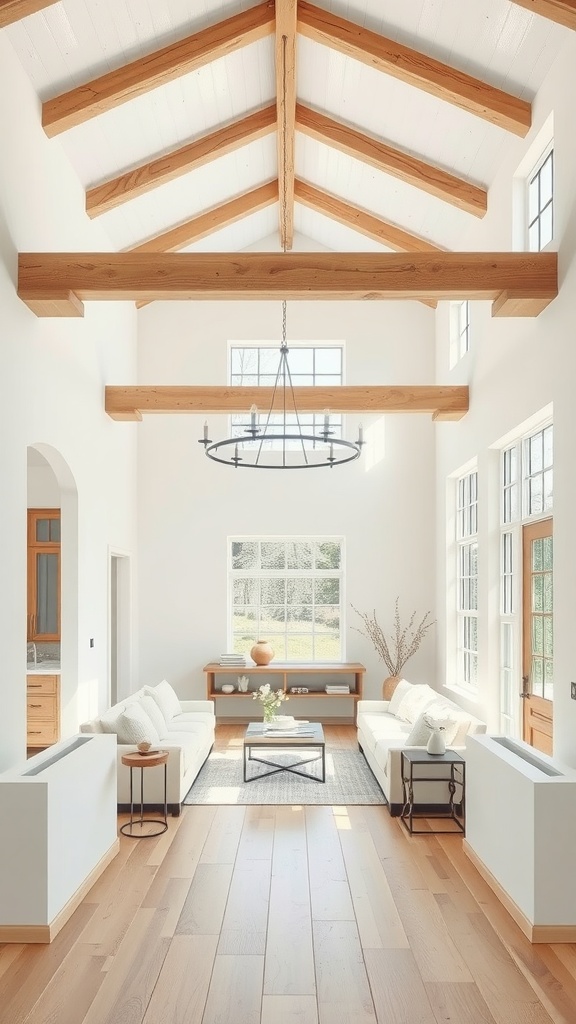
{"x": 228, "y": 688}
{"x": 144, "y": 746}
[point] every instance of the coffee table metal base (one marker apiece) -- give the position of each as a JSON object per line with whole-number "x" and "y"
{"x": 294, "y": 768}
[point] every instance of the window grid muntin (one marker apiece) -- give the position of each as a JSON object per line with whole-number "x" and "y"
{"x": 543, "y": 206}
{"x": 317, "y": 636}
{"x": 537, "y": 472}
{"x": 263, "y": 374}
{"x": 467, "y": 580}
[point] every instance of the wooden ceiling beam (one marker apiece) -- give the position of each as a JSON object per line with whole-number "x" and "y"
{"x": 156, "y": 69}
{"x": 131, "y": 403}
{"x": 561, "y": 11}
{"x": 203, "y": 150}
{"x": 54, "y": 284}
{"x": 408, "y": 168}
{"x": 360, "y": 220}
{"x": 285, "y": 56}
{"x": 212, "y": 220}
{"x": 415, "y": 68}
{"x": 14, "y": 10}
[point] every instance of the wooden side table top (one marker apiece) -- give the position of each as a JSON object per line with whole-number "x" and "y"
{"x": 137, "y": 760}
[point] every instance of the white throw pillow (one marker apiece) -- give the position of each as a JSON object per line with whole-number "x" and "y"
{"x": 166, "y": 700}
{"x": 435, "y": 716}
{"x": 402, "y": 688}
{"x": 416, "y": 700}
{"x": 109, "y": 718}
{"x": 134, "y": 726}
{"x": 154, "y": 714}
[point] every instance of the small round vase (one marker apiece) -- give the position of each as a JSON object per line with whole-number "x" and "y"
{"x": 262, "y": 652}
{"x": 436, "y": 743}
{"x": 389, "y": 685}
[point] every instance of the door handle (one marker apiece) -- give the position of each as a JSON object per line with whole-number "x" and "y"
{"x": 525, "y": 692}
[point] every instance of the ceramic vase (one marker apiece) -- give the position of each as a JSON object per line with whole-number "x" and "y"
{"x": 389, "y": 685}
{"x": 262, "y": 652}
{"x": 436, "y": 743}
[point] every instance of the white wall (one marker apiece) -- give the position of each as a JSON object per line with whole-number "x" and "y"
{"x": 51, "y": 394}
{"x": 515, "y": 368}
{"x": 382, "y": 504}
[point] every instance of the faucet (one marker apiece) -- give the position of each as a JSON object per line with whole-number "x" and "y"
{"x": 32, "y": 645}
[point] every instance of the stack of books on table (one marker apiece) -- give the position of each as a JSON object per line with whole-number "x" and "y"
{"x": 233, "y": 660}
{"x": 335, "y": 688}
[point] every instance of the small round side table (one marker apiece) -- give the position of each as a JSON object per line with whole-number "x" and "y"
{"x": 142, "y": 761}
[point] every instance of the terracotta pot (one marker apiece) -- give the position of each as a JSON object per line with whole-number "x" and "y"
{"x": 262, "y": 652}
{"x": 389, "y": 685}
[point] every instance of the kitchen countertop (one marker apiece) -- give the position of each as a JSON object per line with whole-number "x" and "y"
{"x": 46, "y": 668}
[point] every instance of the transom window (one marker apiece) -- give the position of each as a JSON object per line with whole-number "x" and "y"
{"x": 310, "y": 366}
{"x": 541, "y": 204}
{"x": 459, "y": 330}
{"x": 288, "y": 591}
{"x": 467, "y": 579}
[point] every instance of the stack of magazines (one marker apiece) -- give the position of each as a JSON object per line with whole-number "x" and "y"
{"x": 337, "y": 688}
{"x": 233, "y": 660}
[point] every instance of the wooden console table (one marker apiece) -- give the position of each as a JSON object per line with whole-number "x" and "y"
{"x": 312, "y": 676}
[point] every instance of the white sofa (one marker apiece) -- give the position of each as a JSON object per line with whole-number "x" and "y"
{"x": 184, "y": 728}
{"x": 385, "y": 726}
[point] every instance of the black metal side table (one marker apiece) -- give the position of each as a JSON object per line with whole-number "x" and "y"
{"x": 455, "y": 776}
{"x": 141, "y": 761}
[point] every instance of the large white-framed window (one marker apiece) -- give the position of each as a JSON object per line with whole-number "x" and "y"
{"x": 526, "y": 494}
{"x": 459, "y": 330}
{"x": 310, "y": 366}
{"x": 467, "y": 581}
{"x": 540, "y": 202}
{"x": 289, "y": 591}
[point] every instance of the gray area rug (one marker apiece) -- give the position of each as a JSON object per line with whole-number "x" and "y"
{"x": 348, "y": 781}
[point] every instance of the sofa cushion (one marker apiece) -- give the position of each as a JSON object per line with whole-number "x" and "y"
{"x": 198, "y": 728}
{"x": 435, "y": 716}
{"x": 400, "y": 690}
{"x": 414, "y": 701}
{"x": 203, "y": 717}
{"x": 109, "y": 718}
{"x": 134, "y": 726}
{"x": 165, "y": 698}
{"x": 154, "y": 714}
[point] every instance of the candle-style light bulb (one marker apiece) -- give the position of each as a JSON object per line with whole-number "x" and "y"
{"x": 206, "y": 430}
{"x": 235, "y": 452}
{"x": 326, "y": 420}
{"x": 253, "y": 411}
{"x": 360, "y": 434}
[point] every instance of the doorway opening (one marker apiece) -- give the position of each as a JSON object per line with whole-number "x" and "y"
{"x": 120, "y": 655}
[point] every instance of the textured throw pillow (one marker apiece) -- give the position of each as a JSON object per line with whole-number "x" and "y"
{"x": 401, "y": 689}
{"x": 154, "y": 714}
{"x": 416, "y": 700}
{"x": 165, "y": 698}
{"x": 435, "y": 716}
{"x": 134, "y": 726}
{"x": 109, "y": 718}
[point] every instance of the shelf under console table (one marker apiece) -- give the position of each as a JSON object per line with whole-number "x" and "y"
{"x": 312, "y": 676}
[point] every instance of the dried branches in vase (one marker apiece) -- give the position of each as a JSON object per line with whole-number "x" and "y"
{"x": 403, "y": 642}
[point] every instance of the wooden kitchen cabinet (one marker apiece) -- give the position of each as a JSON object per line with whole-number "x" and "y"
{"x": 42, "y": 709}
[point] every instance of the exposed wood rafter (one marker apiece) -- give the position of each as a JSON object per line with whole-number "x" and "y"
{"x": 146, "y": 177}
{"x": 562, "y": 11}
{"x": 156, "y": 69}
{"x": 211, "y": 220}
{"x": 56, "y": 284}
{"x": 14, "y": 10}
{"x": 443, "y": 402}
{"x": 286, "y": 114}
{"x": 410, "y": 169}
{"x": 414, "y": 68}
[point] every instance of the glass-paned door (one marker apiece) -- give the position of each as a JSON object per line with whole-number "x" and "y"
{"x": 537, "y": 628}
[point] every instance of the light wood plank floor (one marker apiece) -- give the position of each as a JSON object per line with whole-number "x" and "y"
{"x": 289, "y": 915}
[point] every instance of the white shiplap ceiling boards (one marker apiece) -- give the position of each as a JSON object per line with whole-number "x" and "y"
{"x": 74, "y": 41}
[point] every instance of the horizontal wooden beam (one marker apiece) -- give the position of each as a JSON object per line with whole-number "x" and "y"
{"x": 109, "y": 194}
{"x": 14, "y": 10}
{"x": 415, "y": 68}
{"x": 211, "y": 220}
{"x": 52, "y": 284}
{"x": 131, "y": 403}
{"x": 156, "y": 69}
{"x": 561, "y": 11}
{"x": 408, "y": 168}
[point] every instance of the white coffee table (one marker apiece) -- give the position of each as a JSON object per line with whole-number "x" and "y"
{"x": 310, "y": 736}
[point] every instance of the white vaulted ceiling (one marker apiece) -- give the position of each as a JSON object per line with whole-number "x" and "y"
{"x": 75, "y": 41}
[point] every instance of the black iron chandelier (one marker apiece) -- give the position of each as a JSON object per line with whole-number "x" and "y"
{"x": 279, "y": 441}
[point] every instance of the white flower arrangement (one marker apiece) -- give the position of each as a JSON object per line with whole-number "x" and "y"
{"x": 270, "y": 699}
